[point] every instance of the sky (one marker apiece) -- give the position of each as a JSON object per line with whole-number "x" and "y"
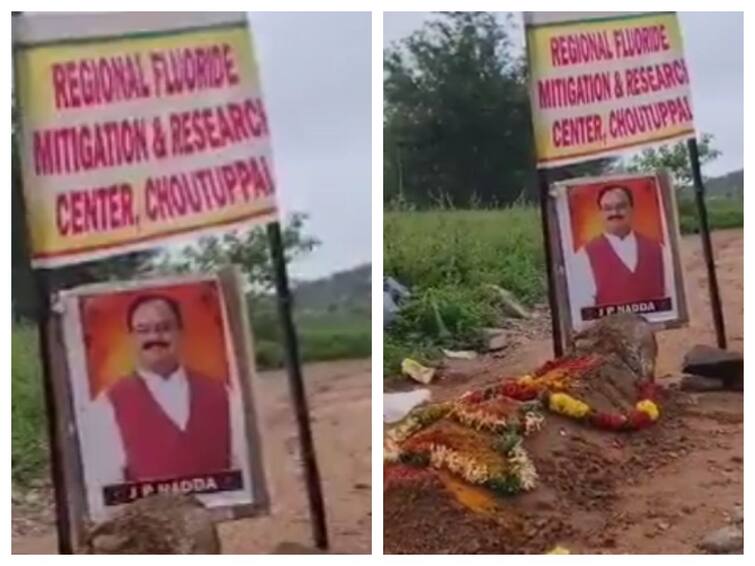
{"x": 714, "y": 50}
{"x": 316, "y": 81}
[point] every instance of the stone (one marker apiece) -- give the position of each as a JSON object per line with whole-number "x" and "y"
{"x": 497, "y": 341}
{"x": 509, "y": 304}
{"x": 701, "y": 384}
{"x": 708, "y": 361}
{"x": 628, "y": 337}
{"x": 159, "y": 524}
{"x": 726, "y": 540}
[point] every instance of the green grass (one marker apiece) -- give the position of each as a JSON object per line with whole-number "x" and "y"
{"x": 322, "y": 336}
{"x": 722, "y": 213}
{"x": 28, "y": 426}
{"x": 448, "y": 256}
{"x": 461, "y": 248}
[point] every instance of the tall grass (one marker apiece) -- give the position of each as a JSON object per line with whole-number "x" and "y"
{"x": 28, "y": 434}
{"x": 467, "y": 248}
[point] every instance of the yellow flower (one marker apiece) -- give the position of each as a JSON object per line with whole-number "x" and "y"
{"x": 566, "y": 405}
{"x": 649, "y": 408}
{"x": 526, "y": 380}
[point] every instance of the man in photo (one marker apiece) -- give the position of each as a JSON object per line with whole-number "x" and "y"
{"x": 165, "y": 420}
{"x": 621, "y": 265}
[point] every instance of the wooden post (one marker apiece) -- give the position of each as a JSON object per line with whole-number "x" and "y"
{"x": 702, "y": 211}
{"x": 311, "y": 471}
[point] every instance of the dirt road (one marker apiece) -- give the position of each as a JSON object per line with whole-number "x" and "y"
{"x": 667, "y": 487}
{"x": 339, "y": 397}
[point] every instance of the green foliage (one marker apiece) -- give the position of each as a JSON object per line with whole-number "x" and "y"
{"x": 675, "y": 158}
{"x": 249, "y": 249}
{"x": 28, "y": 427}
{"x": 467, "y": 248}
{"x": 450, "y": 316}
{"x": 456, "y": 126}
{"x": 447, "y": 257}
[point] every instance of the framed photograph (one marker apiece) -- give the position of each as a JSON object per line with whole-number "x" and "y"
{"x": 159, "y": 379}
{"x": 615, "y": 241}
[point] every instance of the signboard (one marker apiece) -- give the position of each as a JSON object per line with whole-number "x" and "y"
{"x": 138, "y": 127}
{"x": 159, "y": 379}
{"x": 615, "y": 242}
{"x": 604, "y": 82}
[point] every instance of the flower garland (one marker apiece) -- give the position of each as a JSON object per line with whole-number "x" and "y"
{"x": 417, "y": 419}
{"x": 473, "y": 456}
{"x": 551, "y": 384}
{"x": 496, "y": 413}
{"x": 646, "y": 411}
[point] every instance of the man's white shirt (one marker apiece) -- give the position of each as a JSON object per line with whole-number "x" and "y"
{"x": 582, "y": 286}
{"x": 173, "y": 397}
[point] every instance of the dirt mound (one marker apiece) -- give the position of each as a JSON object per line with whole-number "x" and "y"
{"x": 428, "y": 518}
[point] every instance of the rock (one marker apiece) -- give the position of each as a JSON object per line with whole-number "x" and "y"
{"x": 417, "y": 371}
{"x": 460, "y": 354}
{"x": 159, "y": 524}
{"x": 727, "y": 540}
{"x": 509, "y": 303}
{"x": 663, "y": 526}
{"x": 701, "y": 384}
{"x": 713, "y": 362}
{"x": 738, "y": 516}
{"x": 498, "y": 341}
{"x": 629, "y": 337}
{"x": 737, "y": 459}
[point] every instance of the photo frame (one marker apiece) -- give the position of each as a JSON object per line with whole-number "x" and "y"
{"x": 91, "y": 334}
{"x": 590, "y": 263}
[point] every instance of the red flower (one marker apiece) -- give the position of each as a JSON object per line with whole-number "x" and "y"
{"x": 638, "y": 420}
{"x": 517, "y": 391}
{"x": 608, "y": 421}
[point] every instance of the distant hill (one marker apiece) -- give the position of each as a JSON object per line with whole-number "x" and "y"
{"x": 729, "y": 185}
{"x": 343, "y": 290}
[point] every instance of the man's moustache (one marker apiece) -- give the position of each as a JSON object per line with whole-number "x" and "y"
{"x": 155, "y": 344}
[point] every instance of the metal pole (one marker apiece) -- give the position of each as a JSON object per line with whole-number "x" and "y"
{"x": 62, "y": 515}
{"x": 312, "y": 474}
{"x": 558, "y": 347}
{"x": 702, "y": 211}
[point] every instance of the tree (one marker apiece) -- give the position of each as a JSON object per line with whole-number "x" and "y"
{"x": 675, "y": 158}
{"x": 248, "y": 249}
{"x": 456, "y": 119}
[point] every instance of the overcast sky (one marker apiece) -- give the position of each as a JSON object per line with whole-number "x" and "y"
{"x": 713, "y": 44}
{"x": 316, "y": 81}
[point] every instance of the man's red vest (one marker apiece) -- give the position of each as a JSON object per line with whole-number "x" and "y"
{"x": 615, "y": 283}
{"x": 155, "y": 446}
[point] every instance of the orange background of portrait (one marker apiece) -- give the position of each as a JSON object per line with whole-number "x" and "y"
{"x": 587, "y": 221}
{"x": 107, "y": 342}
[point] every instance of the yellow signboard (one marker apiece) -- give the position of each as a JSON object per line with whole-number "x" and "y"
{"x": 135, "y": 137}
{"x": 600, "y": 83}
